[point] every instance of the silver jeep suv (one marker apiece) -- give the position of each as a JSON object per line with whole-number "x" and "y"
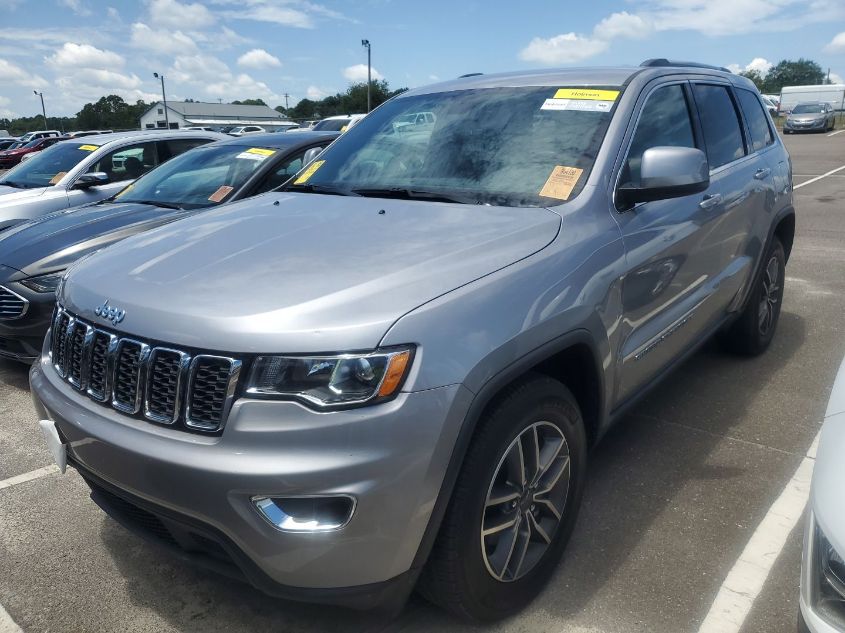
{"x": 389, "y": 373}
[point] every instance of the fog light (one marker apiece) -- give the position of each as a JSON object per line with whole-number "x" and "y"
{"x": 306, "y": 514}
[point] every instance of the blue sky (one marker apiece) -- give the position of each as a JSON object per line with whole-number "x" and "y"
{"x": 78, "y": 50}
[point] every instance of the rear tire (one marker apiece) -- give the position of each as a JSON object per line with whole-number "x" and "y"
{"x": 478, "y": 569}
{"x": 754, "y": 330}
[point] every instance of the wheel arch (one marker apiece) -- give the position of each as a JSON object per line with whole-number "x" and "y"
{"x": 573, "y": 357}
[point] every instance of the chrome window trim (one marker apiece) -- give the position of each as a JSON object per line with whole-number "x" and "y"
{"x": 143, "y": 356}
{"x": 22, "y": 298}
{"x": 184, "y": 366}
{"x": 234, "y": 372}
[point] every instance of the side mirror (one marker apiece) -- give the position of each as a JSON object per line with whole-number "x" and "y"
{"x": 91, "y": 179}
{"x": 667, "y": 172}
{"x": 311, "y": 154}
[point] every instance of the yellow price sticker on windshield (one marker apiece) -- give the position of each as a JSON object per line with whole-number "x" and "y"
{"x": 261, "y": 151}
{"x": 89, "y": 148}
{"x": 586, "y": 94}
{"x": 310, "y": 171}
{"x": 125, "y": 190}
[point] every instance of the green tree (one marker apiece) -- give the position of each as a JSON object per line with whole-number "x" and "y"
{"x": 756, "y": 76}
{"x": 250, "y": 102}
{"x": 353, "y": 101}
{"x": 803, "y": 72}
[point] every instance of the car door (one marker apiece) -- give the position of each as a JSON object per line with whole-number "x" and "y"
{"x": 673, "y": 250}
{"x": 746, "y": 183}
{"x": 121, "y": 165}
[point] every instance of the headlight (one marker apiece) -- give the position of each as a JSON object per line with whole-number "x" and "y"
{"x": 332, "y": 381}
{"x": 44, "y": 283}
{"x": 831, "y": 580}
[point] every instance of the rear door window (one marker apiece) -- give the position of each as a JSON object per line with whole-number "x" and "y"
{"x": 720, "y": 124}
{"x": 757, "y": 119}
{"x": 128, "y": 162}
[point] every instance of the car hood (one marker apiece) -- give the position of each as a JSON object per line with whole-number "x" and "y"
{"x": 55, "y": 241}
{"x": 11, "y": 194}
{"x": 294, "y": 272}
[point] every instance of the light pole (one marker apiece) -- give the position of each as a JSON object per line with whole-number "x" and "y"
{"x": 43, "y": 111}
{"x": 163, "y": 98}
{"x": 366, "y": 44}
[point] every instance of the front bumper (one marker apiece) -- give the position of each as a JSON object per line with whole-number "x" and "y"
{"x": 391, "y": 458}
{"x": 811, "y": 616}
{"x": 811, "y": 127}
{"x": 21, "y": 339}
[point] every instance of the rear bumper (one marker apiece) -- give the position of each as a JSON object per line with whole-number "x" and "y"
{"x": 391, "y": 458}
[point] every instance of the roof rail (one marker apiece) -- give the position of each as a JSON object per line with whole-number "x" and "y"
{"x": 470, "y": 75}
{"x": 662, "y": 61}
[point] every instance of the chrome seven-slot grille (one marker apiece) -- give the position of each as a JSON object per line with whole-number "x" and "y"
{"x": 143, "y": 379}
{"x": 12, "y": 306}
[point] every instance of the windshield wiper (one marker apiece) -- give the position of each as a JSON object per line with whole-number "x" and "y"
{"x": 327, "y": 189}
{"x": 155, "y": 203}
{"x": 416, "y": 194}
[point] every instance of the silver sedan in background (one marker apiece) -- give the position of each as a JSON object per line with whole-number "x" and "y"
{"x": 80, "y": 171}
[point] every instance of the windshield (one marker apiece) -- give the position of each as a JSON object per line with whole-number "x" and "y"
{"x": 530, "y": 146}
{"x": 201, "y": 177}
{"x": 331, "y": 125}
{"x": 807, "y": 108}
{"x": 47, "y": 167}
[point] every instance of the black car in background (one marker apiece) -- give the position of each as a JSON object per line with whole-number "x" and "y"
{"x": 34, "y": 255}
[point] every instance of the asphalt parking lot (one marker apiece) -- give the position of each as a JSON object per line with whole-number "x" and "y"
{"x": 676, "y": 491}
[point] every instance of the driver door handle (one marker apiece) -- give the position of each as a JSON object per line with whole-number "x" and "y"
{"x": 760, "y": 174}
{"x": 710, "y": 201}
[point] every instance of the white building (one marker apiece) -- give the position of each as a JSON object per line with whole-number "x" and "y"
{"x": 182, "y": 114}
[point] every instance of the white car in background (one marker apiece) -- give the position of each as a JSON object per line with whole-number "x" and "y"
{"x": 247, "y": 129}
{"x": 823, "y": 565}
{"x": 339, "y": 123}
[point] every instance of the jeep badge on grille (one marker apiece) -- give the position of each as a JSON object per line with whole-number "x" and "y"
{"x": 110, "y": 313}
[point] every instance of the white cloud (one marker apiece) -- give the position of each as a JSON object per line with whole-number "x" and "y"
{"x": 72, "y": 55}
{"x": 107, "y": 80}
{"x": 622, "y": 24}
{"x": 760, "y": 64}
{"x": 315, "y": 93}
{"x": 176, "y": 15}
{"x": 241, "y": 87}
{"x": 561, "y": 49}
{"x": 113, "y": 13}
{"x": 358, "y": 73}
{"x": 77, "y": 6}
{"x": 837, "y": 44}
{"x": 258, "y": 58}
{"x": 836, "y": 79}
{"x": 17, "y": 75}
{"x": 161, "y": 41}
{"x": 198, "y": 69}
{"x": 285, "y": 16}
{"x": 433, "y": 78}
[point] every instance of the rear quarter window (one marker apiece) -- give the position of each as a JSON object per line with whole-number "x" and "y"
{"x": 757, "y": 119}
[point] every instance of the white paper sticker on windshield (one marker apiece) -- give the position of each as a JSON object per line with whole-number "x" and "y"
{"x": 580, "y": 105}
{"x": 251, "y": 156}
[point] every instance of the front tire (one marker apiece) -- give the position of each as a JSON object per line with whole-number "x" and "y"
{"x": 754, "y": 330}
{"x": 514, "y": 505}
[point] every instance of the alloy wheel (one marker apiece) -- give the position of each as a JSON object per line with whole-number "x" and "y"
{"x": 769, "y": 297}
{"x": 525, "y": 501}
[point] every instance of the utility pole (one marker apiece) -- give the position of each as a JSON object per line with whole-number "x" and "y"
{"x": 43, "y": 111}
{"x": 163, "y": 98}
{"x": 286, "y": 96}
{"x": 366, "y": 44}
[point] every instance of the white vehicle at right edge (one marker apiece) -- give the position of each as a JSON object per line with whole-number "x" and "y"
{"x": 823, "y": 565}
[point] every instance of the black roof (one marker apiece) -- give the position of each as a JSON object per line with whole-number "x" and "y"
{"x": 280, "y": 140}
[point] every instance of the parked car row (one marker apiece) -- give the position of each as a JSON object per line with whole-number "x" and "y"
{"x": 35, "y": 254}
{"x": 387, "y": 369}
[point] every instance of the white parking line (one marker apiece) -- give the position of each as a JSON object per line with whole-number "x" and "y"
{"x": 836, "y": 132}
{"x": 7, "y": 624}
{"x": 812, "y": 180}
{"x": 745, "y": 581}
{"x": 35, "y": 474}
